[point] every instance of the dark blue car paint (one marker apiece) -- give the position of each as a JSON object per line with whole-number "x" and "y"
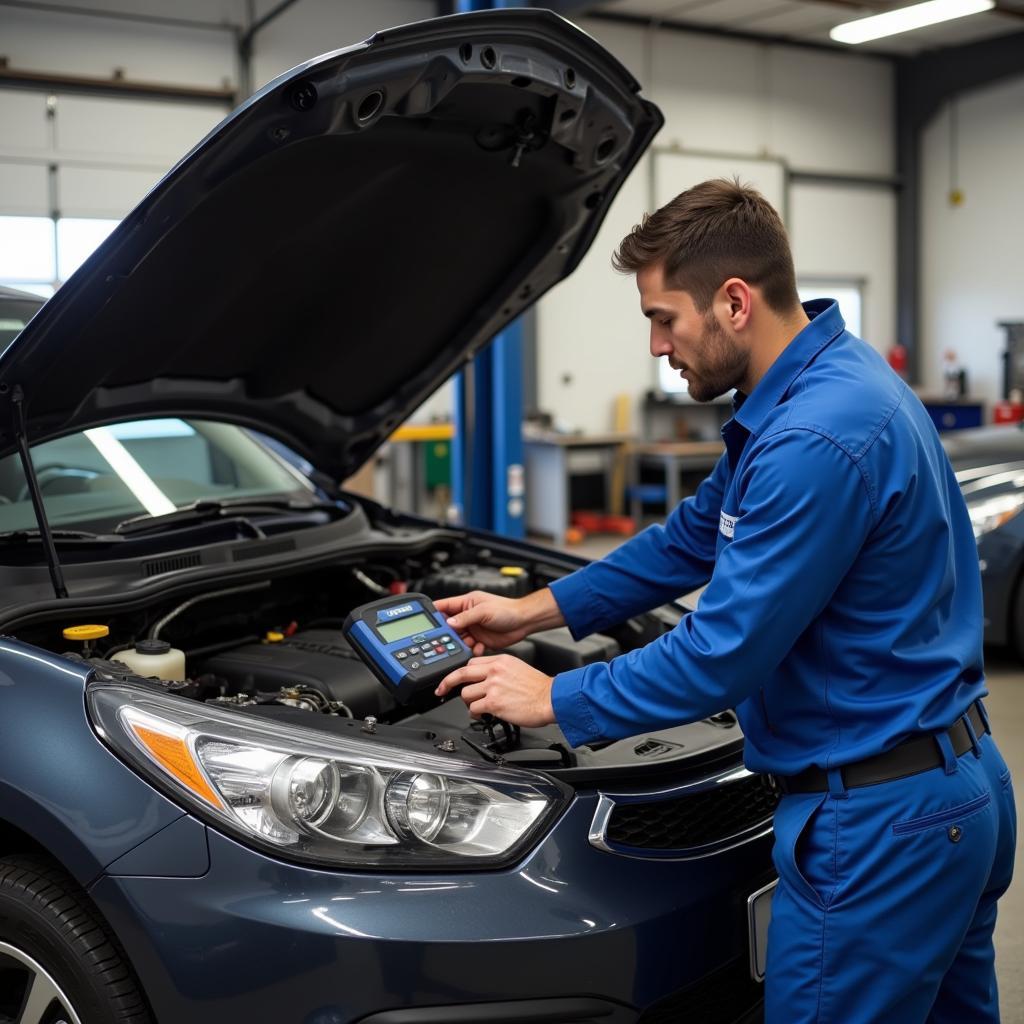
{"x": 212, "y": 927}
{"x": 1002, "y": 552}
{"x": 179, "y": 850}
{"x": 58, "y": 783}
{"x": 268, "y": 940}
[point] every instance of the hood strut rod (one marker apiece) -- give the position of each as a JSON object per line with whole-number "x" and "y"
{"x": 20, "y": 434}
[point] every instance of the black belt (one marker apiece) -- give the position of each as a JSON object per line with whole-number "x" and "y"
{"x": 918, "y": 754}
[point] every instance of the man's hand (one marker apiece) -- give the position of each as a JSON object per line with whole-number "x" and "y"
{"x": 486, "y": 621}
{"x": 505, "y": 687}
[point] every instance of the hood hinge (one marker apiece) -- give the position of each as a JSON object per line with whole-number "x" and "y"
{"x": 21, "y": 436}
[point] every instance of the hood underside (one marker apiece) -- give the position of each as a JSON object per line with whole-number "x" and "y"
{"x": 321, "y": 262}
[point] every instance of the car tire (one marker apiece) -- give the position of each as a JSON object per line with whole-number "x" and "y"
{"x": 55, "y": 950}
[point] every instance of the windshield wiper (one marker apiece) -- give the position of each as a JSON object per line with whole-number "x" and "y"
{"x": 227, "y": 511}
{"x": 24, "y": 536}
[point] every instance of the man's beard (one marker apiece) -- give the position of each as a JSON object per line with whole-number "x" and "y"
{"x": 723, "y": 363}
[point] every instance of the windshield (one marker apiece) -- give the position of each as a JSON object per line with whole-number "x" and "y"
{"x": 94, "y": 479}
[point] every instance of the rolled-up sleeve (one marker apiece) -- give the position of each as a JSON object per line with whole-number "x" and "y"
{"x": 804, "y": 513}
{"x": 657, "y": 565}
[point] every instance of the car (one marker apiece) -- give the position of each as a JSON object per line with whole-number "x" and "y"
{"x": 989, "y": 466}
{"x": 210, "y": 807}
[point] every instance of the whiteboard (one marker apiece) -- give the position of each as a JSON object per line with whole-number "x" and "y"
{"x": 675, "y": 172}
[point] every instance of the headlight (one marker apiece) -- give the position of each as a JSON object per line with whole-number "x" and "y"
{"x": 987, "y": 515}
{"x": 330, "y": 799}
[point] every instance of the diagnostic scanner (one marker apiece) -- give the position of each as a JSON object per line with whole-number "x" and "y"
{"x": 406, "y": 643}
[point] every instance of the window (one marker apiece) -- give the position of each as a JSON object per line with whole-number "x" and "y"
{"x": 76, "y": 239}
{"x": 28, "y": 253}
{"x": 848, "y": 292}
{"x": 37, "y": 254}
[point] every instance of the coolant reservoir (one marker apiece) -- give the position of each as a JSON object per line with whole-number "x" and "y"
{"x": 154, "y": 658}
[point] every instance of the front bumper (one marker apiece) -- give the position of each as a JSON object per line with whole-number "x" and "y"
{"x": 572, "y": 932}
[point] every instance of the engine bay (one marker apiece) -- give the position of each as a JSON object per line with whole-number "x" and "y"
{"x": 276, "y": 646}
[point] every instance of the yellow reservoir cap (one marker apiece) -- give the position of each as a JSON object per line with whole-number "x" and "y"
{"x": 274, "y": 637}
{"x": 511, "y": 570}
{"x": 86, "y": 632}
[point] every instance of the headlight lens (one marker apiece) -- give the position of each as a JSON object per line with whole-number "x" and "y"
{"x": 993, "y": 512}
{"x": 340, "y": 800}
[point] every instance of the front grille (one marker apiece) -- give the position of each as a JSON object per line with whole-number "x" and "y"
{"x": 694, "y": 819}
{"x": 727, "y": 996}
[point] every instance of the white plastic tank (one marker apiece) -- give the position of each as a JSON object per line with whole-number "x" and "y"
{"x": 154, "y": 658}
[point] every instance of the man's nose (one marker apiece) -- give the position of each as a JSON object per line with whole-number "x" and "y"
{"x": 660, "y": 345}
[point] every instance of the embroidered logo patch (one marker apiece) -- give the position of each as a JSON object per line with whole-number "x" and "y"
{"x": 727, "y": 525}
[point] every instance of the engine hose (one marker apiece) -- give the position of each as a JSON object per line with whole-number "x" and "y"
{"x": 157, "y": 628}
{"x": 370, "y": 584}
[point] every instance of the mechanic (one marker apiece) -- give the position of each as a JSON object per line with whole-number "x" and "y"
{"x": 842, "y": 619}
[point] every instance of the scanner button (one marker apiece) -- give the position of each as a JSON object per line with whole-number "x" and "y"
{"x": 444, "y": 639}
{"x": 401, "y": 655}
{"x": 413, "y": 665}
{"x": 419, "y": 639}
{"x": 451, "y": 647}
{"x": 414, "y": 650}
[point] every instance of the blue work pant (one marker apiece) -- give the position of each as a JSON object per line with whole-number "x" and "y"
{"x": 887, "y": 895}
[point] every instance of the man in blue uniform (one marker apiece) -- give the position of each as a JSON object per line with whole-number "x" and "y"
{"x": 842, "y": 620}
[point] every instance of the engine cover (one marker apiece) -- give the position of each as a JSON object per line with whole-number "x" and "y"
{"x": 320, "y": 658}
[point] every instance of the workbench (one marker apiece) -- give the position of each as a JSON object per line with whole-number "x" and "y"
{"x": 550, "y": 460}
{"x": 672, "y": 457}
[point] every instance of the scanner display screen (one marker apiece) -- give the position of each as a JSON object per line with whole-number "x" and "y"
{"x": 392, "y": 631}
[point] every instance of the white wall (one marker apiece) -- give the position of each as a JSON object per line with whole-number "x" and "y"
{"x": 814, "y": 111}
{"x": 76, "y": 44}
{"x": 973, "y": 254}
{"x": 843, "y": 232}
{"x": 312, "y": 27}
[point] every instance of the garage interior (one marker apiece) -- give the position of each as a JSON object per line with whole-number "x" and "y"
{"x": 893, "y": 163}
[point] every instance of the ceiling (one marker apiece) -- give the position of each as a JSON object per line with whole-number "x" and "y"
{"x": 805, "y": 21}
{"x": 809, "y": 21}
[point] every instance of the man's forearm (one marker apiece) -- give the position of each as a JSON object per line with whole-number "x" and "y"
{"x": 540, "y": 611}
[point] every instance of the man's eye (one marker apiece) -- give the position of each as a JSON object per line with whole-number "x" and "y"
{"x": 665, "y": 323}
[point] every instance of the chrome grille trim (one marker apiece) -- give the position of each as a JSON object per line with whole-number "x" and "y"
{"x": 607, "y": 802}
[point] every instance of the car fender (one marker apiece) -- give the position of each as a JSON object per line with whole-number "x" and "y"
{"x": 59, "y": 784}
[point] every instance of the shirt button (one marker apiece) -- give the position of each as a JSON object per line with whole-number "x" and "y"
{"x": 955, "y": 833}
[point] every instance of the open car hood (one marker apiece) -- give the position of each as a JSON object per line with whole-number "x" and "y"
{"x": 329, "y": 254}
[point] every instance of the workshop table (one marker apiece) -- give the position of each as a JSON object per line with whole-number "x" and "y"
{"x": 672, "y": 457}
{"x": 550, "y": 460}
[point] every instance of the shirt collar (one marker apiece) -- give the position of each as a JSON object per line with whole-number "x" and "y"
{"x": 826, "y": 325}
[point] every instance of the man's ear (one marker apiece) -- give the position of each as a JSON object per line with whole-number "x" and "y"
{"x": 737, "y": 298}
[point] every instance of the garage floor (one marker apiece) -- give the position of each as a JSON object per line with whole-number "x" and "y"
{"x": 1006, "y": 707}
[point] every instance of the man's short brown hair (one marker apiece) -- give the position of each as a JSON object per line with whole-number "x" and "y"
{"x": 709, "y": 233}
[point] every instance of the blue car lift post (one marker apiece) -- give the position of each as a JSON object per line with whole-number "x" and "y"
{"x": 487, "y": 450}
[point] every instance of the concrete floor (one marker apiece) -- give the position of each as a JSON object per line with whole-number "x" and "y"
{"x": 1006, "y": 708}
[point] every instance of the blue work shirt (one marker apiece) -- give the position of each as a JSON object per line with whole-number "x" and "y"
{"x": 843, "y": 611}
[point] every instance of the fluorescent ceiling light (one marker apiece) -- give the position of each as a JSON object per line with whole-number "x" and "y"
{"x": 907, "y": 18}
